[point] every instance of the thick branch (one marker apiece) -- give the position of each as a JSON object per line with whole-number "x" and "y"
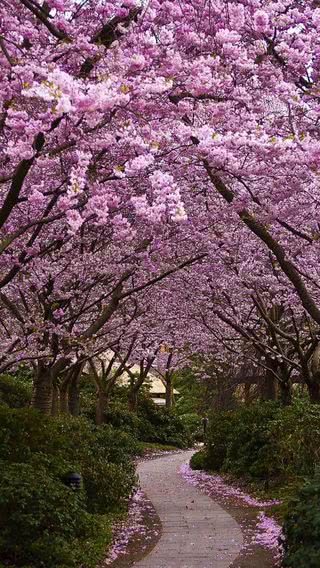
{"x": 41, "y": 15}
{"x": 265, "y": 236}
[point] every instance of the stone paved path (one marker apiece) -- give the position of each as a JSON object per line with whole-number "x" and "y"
{"x": 197, "y": 532}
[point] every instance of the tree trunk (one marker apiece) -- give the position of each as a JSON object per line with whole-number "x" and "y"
{"x": 314, "y": 391}
{"x": 133, "y": 399}
{"x": 269, "y": 386}
{"x": 55, "y": 401}
{"x": 64, "y": 408}
{"x": 74, "y": 390}
{"x": 74, "y": 398}
{"x": 247, "y": 393}
{"x": 285, "y": 392}
{"x": 101, "y": 406}
{"x": 169, "y": 393}
{"x": 42, "y": 391}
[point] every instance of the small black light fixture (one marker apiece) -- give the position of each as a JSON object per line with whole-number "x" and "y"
{"x": 73, "y": 480}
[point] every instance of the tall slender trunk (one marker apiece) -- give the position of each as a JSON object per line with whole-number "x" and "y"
{"x": 74, "y": 398}
{"x": 42, "y": 390}
{"x": 133, "y": 399}
{"x": 64, "y": 408}
{"x": 246, "y": 393}
{"x": 169, "y": 393}
{"x": 285, "y": 389}
{"x": 269, "y": 385}
{"x": 74, "y": 390}
{"x": 314, "y": 391}
{"x": 101, "y": 406}
{"x": 55, "y": 400}
{"x": 269, "y": 388}
{"x": 313, "y": 381}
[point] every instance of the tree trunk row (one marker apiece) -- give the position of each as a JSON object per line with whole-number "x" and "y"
{"x": 49, "y": 399}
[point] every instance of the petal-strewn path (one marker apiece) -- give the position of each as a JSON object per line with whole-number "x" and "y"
{"x": 197, "y": 532}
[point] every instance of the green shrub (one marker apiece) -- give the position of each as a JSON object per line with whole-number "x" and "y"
{"x": 301, "y": 528}
{"x": 218, "y": 434}
{"x": 252, "y": 449}
{"x": 193, "y": 426}
{"x": 38, "y": 451}
{"x": 160, "y": 425}
{"x": 24, "y": 432}
{"x": 13, "y": 392}
{"x": 44, "y": 523}
{"x": 265, "y": 441}
{"x": 119, "y": 416}
{"x": 102, "y": 454}
{"x": 296, "y": 432}
{"x": 199, "y": 460}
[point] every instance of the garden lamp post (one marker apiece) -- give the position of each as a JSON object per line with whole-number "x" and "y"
{"x": 204, "y": 421}
{"x": 73, "y": 480}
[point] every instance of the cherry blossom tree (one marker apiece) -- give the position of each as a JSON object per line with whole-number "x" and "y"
{"x": 140, "y": 141}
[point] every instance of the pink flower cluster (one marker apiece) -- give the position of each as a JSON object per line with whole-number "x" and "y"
{"x": 133, "y": 527}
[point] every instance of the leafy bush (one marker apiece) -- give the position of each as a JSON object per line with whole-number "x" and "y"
{"x": 151, "y": 423}
{"x": 13, "y": 392}
{"x": 38, "y": 451}
{"x": 67, "y": 443}
{"x": 251, "y": 448}
{"x": 301, "y": 528}
{"x": 199, "y": 460}
{"x": 265, "y": 441}
{"x": 160, "y": 425}
{"x": 218, "y": 434}
{"x": 44, "y": 523}
{"x": 296, "y": 430}
{"x": 193, "y": 426}
{"x": 120, "y": 416}
{"x": 24, "y": 432}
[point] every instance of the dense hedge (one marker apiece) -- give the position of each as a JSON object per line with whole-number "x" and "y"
{"x": 265, "y": 441}
{"x": 152, "y": 423}
{"x": 14, "y": 393}
{"x": 301, "y": 528}
{"x": 42, "y": 521}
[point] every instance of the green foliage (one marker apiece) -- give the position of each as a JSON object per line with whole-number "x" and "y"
{"x": 297, "y": 432}
{"x": 120, "y": 416}
{"x": 301, "y": 528}
{"x": 159, "y": 425}
{"x": 218, "y": 434}
{"x": 44, "y": 522}
{"x": 151, "y": 423}
{"x": 251, "y": 449}
{"x": 199, "y": 460}
{"x": 36, "y": 452}
{"x": 265, "y": 441}
{"x": 193, "y": 426}
{"x": 14, "y": 392}
{"x": 189, "y": 400}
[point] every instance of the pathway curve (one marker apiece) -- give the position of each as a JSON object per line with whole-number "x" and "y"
{"x": 197, "y": 532}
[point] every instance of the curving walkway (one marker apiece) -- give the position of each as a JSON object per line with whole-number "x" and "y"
{"x": 197, "y": 532}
